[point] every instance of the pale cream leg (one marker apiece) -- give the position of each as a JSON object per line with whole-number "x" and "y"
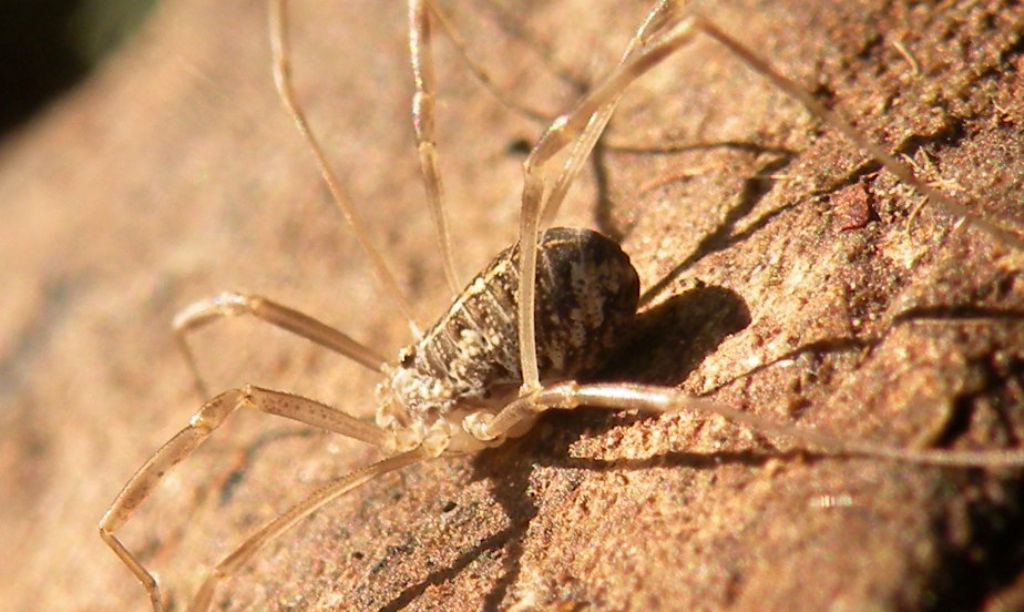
{"x": 228, "y": 304}
{"x": 834, "y": 120}
{"x": 661, "y": 15}
{"x": 203, "y": 423}
{"x": 283, "y": 81}
{"x": 423, "y": 122}
{"x": 227, "y": 567}
{"x": 599, "y": 102}
{"x": 660, "y": 400}
{"x": 480, "y": 72}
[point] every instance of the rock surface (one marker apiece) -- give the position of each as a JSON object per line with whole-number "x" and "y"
{"x": 784, "y": 275}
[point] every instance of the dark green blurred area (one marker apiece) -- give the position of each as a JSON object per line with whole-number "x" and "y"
{"x": 46, "y": 46}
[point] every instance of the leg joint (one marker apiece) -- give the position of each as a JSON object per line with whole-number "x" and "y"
{"x": 563, "y": 396}
{"x": 215, "y": 411}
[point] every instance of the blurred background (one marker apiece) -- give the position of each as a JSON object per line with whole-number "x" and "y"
{"x": 49, "y": 45}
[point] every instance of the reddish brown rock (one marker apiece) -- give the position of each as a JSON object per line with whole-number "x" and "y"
{"x": 173, "y": 174}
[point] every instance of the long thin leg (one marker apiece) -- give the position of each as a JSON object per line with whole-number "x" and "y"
{"x": 423, "y": 121}
{"x": 561, "y": 134}
{"x": 889, "y": 162}
{"x": 659, "y": 400}
{"x": 587, "y": 112}
{"x": 283, "y": 82}
{"x": 506, "y": 17}
{"x": 584, "y": 144}
{"x": 203, "y": 423}
{"x": 480, "y": 72}
{"x": 229, "y": 304}
{"x": 227, "y": 567}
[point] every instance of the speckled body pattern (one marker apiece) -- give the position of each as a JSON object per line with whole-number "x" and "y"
{"x": 587, "y": 293}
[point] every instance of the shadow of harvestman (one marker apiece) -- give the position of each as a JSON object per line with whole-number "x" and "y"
{"x": 525, "y": 336}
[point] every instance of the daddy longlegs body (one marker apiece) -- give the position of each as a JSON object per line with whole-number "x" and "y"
{"x": 514, "y": 342}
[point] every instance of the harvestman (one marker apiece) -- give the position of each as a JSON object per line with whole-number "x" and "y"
{"x": 507, "y": 350}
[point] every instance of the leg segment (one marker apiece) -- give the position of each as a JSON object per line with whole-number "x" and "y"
{"x": 656, "y": 19}
{"x": 585, "y": 123}
{"x": 480, "y": 72}
{"x": 283, "y": 81}
{"x": 230, "y": 564}
{"x": 423, "y": 121}
{"x": 230, "y": 304}
{"x": 659, "y": 400}
{"x": 202, "y": 424}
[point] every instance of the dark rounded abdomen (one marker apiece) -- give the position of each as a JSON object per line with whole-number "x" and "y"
{"x": 587, "y": 293}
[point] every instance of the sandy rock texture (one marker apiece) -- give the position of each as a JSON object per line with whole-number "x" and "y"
{"x": 784, "y": 274}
